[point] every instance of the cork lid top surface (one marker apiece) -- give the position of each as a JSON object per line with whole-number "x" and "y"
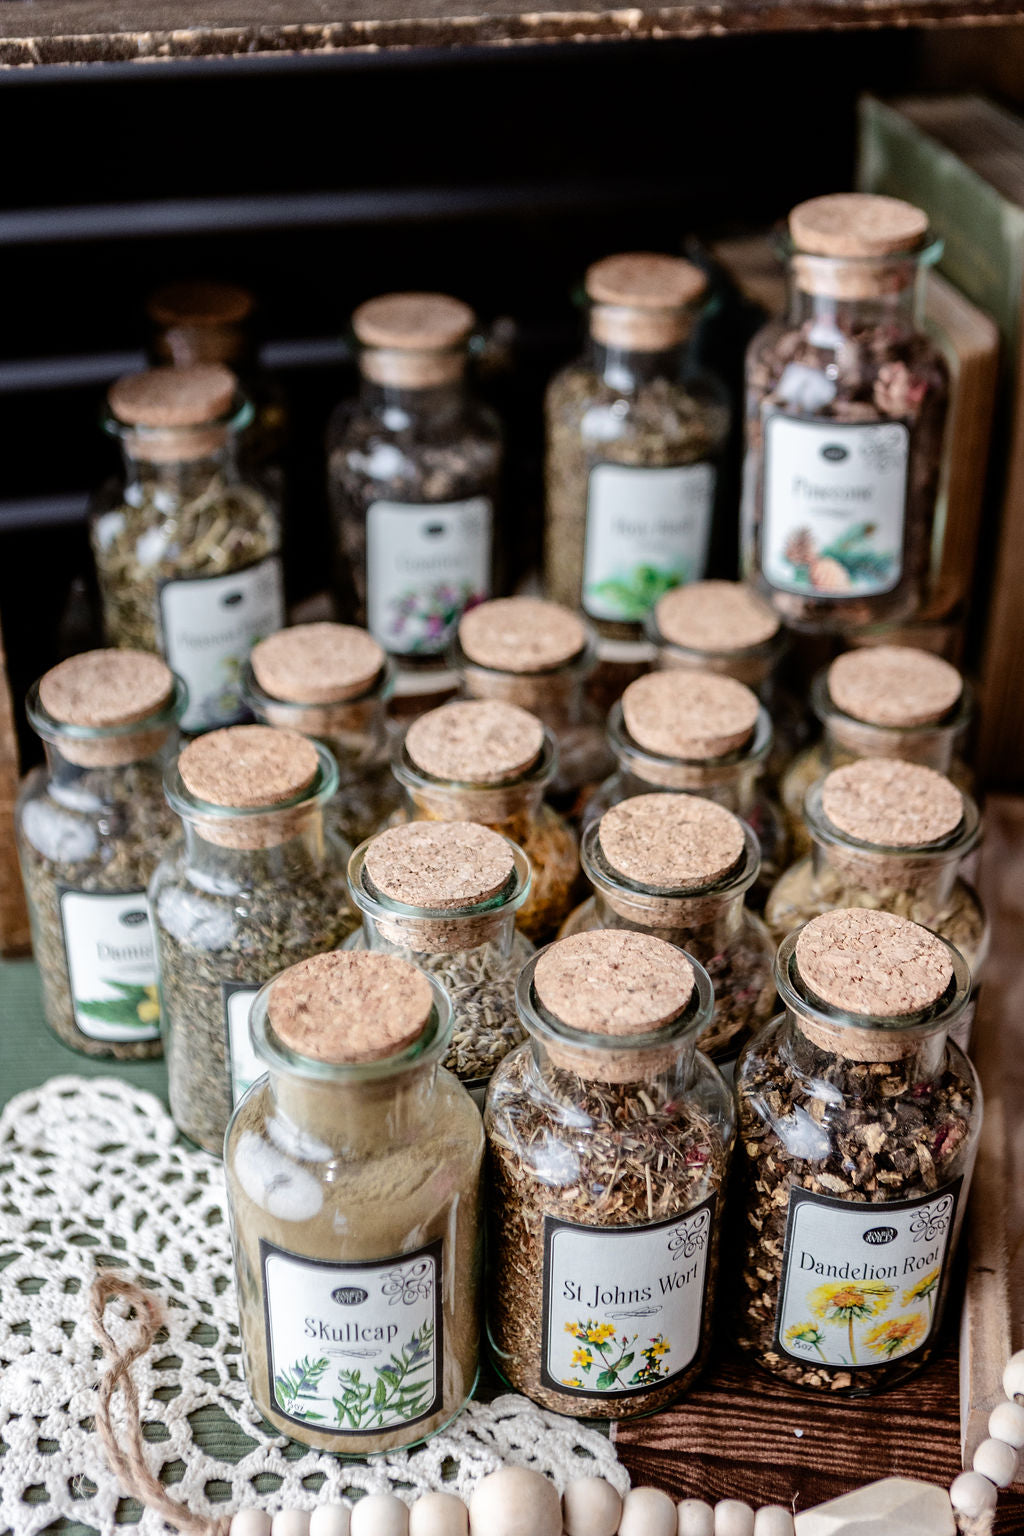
{"x": 645, "y": 280}
{"x": 895, "y": 804}
{"x": 856, "y": 224}
{"x": 895, "y": 685}
{"x": 613, "y": 982}
{"x": 317, "y": 663}
{"x": 200, "y": 302}
{"x": 350, "y": 1006}
{"x": 689, "y": 715}
{"x": 715, "y": 616}
{"x": 475, "y": 742}
{"x": 102, "y": 689}
{"x": 873, "y": 963}
{"x": 248, "y": 766}
{"x": 675, "y": 842}
{"x": 441, "y": 865}
{"x": 173, "y": 397}
{"x": 521, "y": 634}
{"x": 419, "y": 322}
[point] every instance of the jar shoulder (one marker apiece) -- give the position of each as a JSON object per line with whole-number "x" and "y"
{"x": 692, "y": 409}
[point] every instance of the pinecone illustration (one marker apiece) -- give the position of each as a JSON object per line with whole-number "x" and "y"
{"x": 800, "y": 547}
{"x": 827, "y": 575}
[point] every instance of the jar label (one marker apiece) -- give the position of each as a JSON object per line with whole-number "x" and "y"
{"x": 623, "y": 1306}
{"x": 108, "y": 941}
{"x": 244, "y": 1066}
{"x": 648, "y": 530}
{"x": 834, "y": 505}
{"x": 354, "y": 1348}
{"x": 209, "y": 625}
{"x": 424, "y": 566}
{"x": 860, "y": 1283}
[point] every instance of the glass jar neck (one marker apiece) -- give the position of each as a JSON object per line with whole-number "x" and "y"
{"x": 663, "y": 1076}
{"x": 404, "y": 407}
{"x": 841, "y": 1064}
{"x": 627, "y": 369}
{"x": 185, "y": 346}
{"x": 733, "y": 785}
{"x": 885, "y": 872}
{"x": 80, "y": 773}
{"x": 836, "y": 300}
{"x": 432, "y": 935}
{"x": 705, "y": 926}
{"x": 318, "y": 1121}
{"x": 179, "y": 478}
{"x": 283, "y": 847}
{"x": 932, "y": 746}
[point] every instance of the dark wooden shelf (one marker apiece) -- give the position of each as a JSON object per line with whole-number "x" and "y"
{"x": 53, "y": 32}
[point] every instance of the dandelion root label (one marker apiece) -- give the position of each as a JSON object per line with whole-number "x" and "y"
{"x": 623, "y": 1307}
{"x": 108, "y": 940}
{"x": 424, "y": 566}
{"x": 354, "y": 1348}
{"x": 834, "y": 505}
{"x": 860, "y": 1283}
{"x": 647, "y": 531}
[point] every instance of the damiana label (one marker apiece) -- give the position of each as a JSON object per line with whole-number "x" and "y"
{"x": 244, "y": 1066}
{"x": 834, "y": 505}
{"x": 108, "y": 940}
{"x": 209, "y": 626}
{"x": 354, "y": 1348}
{"x": 648, "y": 530}
{"x": 860, "y": 1283}
{"x": 623, "y": 1306}
{"x": 424, "y": 566}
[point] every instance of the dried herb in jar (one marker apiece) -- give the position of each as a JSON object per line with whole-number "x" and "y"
{"x": 608, "y": 1141}
{"x": 858, "y": 1123}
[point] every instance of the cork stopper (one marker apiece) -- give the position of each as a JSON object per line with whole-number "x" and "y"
{"x": 416, "y": 340}
{"x": 613, "y": 982}
{"x": 641, "y": 299}
{"x": 200, "y": 303}
{"x": 171, "y": 406}
{"x": 350, "y": 1006}
{"x": 441, "y": 865}
{"x": 866, "y": 230}
{"x": 716, "y": 617}
{"x": 694, "y": 716}
{"x": 673, "y": 842}
{"x": 248, "y": 768}
{"x": 104, "y": 690}
{"x": 521, "y": 634}
{"x": 475, "y": 742}
{"x": 891, "y": 803}
{"x": 317, "y": 663}
{"x": 894, "y": 685}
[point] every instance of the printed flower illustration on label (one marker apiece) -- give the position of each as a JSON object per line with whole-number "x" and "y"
{"x": 108, "y": 940}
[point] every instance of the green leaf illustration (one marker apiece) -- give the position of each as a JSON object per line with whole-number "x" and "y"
{"x": 114, "y": 1011}
{"x": 298, "y": 1382}
{"x": 635, "y": 592}
{"x": 395, "y": 1396}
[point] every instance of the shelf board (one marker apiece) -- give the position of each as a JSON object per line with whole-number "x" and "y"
{"x": 55, "y": 32}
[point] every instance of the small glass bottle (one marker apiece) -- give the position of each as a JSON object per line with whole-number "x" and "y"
{"x": 679, "y": 867}
{"x": 608, "y": 1139}
{"x": 332, "y": 682}
{"x": 634, "y": 433}
{"x": 846, "y": 408}
{"x": 894, "y": 836}
{"x": 91, "y": 826}
{"x": 521, "y": 650}
{"x": 444, "y": 895}
{"x": 354, "y": 1186}
{"x": 477, "y": 760}
{"x": 881, "y": 701}
{"x": 699, "y": 734}
{"x": 413, "y": 469}
{"x": 257, "y": 884}
{"x": 187, "y": 551}
{"x": 859, "y": 1121}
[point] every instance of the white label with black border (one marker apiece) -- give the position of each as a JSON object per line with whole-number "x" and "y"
{"x": 108, "y": 940}
{"x": 424, "y": 566}
{"x": 648, "y": 530}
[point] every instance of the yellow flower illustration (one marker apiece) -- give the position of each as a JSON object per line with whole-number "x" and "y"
{"x": 923, "y": 1290}
{"x": 149, "y": 1009}
{"x": 571, "y": 1327}
{"x": 850, "y": 1302}
{"x": 600, "y": 1333}
{"x": 571, "y": 1381}
{"x": 898, "y": 1336}
{"x": 658, "y": 1348}
{"x": 582, "y": 1357}
{"x": 806, "y": 1333}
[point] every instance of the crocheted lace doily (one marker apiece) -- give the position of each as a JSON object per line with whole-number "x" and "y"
{"x": 92, "y": 1175}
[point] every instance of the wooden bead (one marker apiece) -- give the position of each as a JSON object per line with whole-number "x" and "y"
{"x": 733, "y": 1518}
{"x": 591, "y": 1507}
{"x": 290, "y": 1522}
{"x": 515, "y": 1502}
{"x": 330, "y": 1520}
{"x": 648, "y": 1512}
{"x": 379, "y": 1514}
{"x": 774, "y": 1520}
{"x": 1006, "y": 1423}
{"x": 996, "y": 1461}
{"x": 438, "y": 1514}
{"x": 1013, "y": 1375}
{"x": 250, "y": 1522}
{"x": 973, "y": 1495}
{"x": 694, "y": 1518}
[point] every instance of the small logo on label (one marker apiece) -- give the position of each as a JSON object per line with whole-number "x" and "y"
{"x": 232, "y": 599}
{"x": 349, "y": 1296}
{"x": 134, "y": 919}
{"x": 877, "y": 1236}
{"x": 835, "y": 453}
{"x": 434, "y": 530}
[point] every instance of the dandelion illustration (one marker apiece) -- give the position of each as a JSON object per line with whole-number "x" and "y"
{"x": 924, "y": 1290}
{"x": 807, "y": 1333}
{"x": 849, "y": 1304}
{"x": 898, "y": 1336}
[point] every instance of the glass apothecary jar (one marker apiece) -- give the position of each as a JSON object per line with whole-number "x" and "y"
{"x": 634, "y": 435}
{"x": 332, "y": 682}
{"x": 881, "y": 701}
{"x": 91, "y": 825}
{"x": 444, "y": 895}
{"x": 700, "y": 734}
{"x": 893, "y": 836}
{"x": 522, "y": 650}
{"x": 478, "y": 760}
{"x": 679, "y": 867}
{"x": 846, "y": 409}
{"x": 608, "y": 1140}
{"x": 413, "y": 469}
{"x": 256, "y": 884}
{"x": 859, "y": 1123}
{"x": 187, "y": 551}
{"x": 354, "y": 1187}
